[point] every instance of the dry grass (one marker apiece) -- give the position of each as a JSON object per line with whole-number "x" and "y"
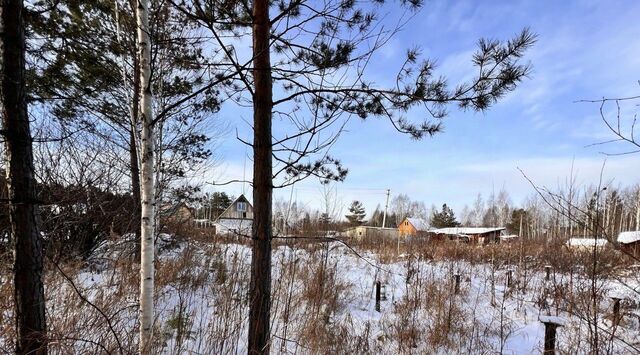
{"x": 202, "y": 300}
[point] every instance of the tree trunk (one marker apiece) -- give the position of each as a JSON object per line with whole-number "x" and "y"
{"x": 134, "y": 168}
{"x": 148, "y": 180}
{"x": 29, "y": 289}
{"x": 135, "y": 189}
{"x": 134, "y": 152}
{"x": 260, "y": 290}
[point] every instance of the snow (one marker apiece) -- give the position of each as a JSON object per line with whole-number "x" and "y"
{"x": 230, "y": 225}
{"x": 509, "y": 237}
{"x": 212, "y": 294}
{"x": 628, "y": 290}
{"x": 586, "y": 242}
{"x": 553, "y": 319}
{"x": 629, "y": 237}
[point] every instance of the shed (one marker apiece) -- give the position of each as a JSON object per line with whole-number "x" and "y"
{"x": 368, "y": 232}
{"x": 630, "y": 242}
{"x": 478, "y": 235}
{"x": 176, "y": 213}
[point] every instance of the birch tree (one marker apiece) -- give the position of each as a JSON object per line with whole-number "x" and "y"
{"x": 147, "y": 194}
{"x": 27, "y": 247}
{"x": 85, "y": 71}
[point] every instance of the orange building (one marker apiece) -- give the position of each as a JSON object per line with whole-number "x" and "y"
{"x": 413, "y": 226}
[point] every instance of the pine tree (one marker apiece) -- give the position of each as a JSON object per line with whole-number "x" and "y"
{"x": 376, "y": 217}
{"x": 29, "y": 300}
{"x": 220, "y": 201}
{"x": 306, "y": 72}
{"x": 445, "y": 218}
{"x": 520, "y": 222}
{"x": 356, "y": 213}
{"x": 90, "y": 67}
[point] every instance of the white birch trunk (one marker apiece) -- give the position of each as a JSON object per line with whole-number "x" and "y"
{"x": 148, "y": 180}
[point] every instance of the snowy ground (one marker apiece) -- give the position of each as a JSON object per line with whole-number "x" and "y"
{"x": 323, "y": 302}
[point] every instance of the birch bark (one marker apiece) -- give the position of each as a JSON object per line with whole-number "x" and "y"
{"x": 148, "y": 179}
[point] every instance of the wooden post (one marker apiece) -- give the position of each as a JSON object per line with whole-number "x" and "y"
{"x": 547, "y": 269}
{"x": 378, "y": 296}
{"x": 456, "y": 278}
{"x": 550, "y": 325}
{"x": 616, "y": 311}
{"x": 509, "y": 277}
{"x": 550, "y": 338}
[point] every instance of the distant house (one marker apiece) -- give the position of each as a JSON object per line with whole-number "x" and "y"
{"x": 630, "y": 242}
{"x": 476, "y": 235}
{"x": 413, "y": 226}
{"x": 176, "y": 213}
{"x": 236, "y": 219}
{"x": 368, "y": 232}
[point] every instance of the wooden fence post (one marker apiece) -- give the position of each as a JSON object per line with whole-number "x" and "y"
{"x": 456, "y": 283}
{"x": 378, "y": 296}
{"x": 616, "y": 311}
{"x": 550, "y": 325}
{"x": 547, "y": 269}
{"x": 509, "y": 277}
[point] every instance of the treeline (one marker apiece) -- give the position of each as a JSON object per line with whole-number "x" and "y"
{"x": 571, "y": 211}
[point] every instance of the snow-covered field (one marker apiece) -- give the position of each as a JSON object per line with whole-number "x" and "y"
{"x": 324, "y": 302}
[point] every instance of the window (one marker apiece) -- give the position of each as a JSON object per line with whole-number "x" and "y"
{"x": 241, "y": 206}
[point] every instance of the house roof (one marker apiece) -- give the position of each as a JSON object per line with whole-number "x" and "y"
{"x": 240, "y": 198}
{"x": 171, "y": 208}
{"x": 629, "y": 237}
{"x": 369, "y": 227}
{"x": 419, "y": 224}
{"x": 467, "y": 230}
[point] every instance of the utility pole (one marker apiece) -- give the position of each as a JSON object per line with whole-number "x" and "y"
{"x": 386, "y": 205}
{"x": 520, "y": 230}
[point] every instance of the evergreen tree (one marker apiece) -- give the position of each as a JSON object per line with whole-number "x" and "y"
{"x": 520, "y": 222}
{"x": 376, "y": 217}
{"x": 220, "y": 201}
{"x": 87, "y": 71}
{"x": 445, "y": 218}
{"x": 28, "y": 287}
{"x": 356, "y": 213}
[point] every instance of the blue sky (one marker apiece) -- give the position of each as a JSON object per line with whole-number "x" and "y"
{"x": 585, "y": 50}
